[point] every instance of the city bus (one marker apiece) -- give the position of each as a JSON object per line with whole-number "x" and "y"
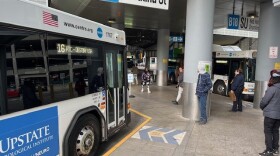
{"x": 70, "y": 51}
{"x": 224, "y": 65}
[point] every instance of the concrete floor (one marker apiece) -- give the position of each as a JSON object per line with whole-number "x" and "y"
{"x": 225, "y": 134}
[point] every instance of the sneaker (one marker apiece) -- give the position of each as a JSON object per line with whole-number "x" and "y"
{"x": 175, "y": 102}
{"x": 275, "y": 152}
{"x": 142, "y": 90}
{"x": 149, "y": 91}
{"x": 266, "y": 153}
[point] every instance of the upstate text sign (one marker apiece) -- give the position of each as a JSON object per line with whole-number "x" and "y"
{"x": 159, "y": 4}
{"x": 243, "y": 23}
{"x": 31, "y": 134}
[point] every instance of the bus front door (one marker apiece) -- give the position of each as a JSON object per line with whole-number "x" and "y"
{"x": 115, "y": 89}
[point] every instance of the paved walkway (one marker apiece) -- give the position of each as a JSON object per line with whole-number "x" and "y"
{"x": 225, "y": 134}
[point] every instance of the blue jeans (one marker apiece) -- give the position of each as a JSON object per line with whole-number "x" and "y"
{"x": 202, "y": 107}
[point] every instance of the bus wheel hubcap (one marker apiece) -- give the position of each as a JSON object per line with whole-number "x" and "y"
{"x": 220, "y": 89}
{"x": 85, "y": 141}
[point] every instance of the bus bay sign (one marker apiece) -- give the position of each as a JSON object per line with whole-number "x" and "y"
{"x": 159, "y": 4}
{"x": 242, "y": 23}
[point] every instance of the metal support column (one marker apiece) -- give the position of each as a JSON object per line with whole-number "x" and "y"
{"x": 71, "y": 74}
{"x": 45, "y": 55}
{"x": 199, "y": 40}
{"x": 162, "y": 56}
{"x": 13, "y": 50}
{"x": 268, "y": 37}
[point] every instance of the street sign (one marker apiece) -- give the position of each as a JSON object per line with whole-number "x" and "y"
{"x": 176, "y": 39}
{"x": 233, "y": 21}
{"x": 243, "y": 23}
{"x": 273, "y": 52}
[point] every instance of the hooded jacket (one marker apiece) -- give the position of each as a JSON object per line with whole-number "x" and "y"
{"x": 270, "y": 103}
{"x": 204, "y": 84}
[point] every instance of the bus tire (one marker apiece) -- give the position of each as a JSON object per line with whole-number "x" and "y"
{"x": 220, "y": 88}
{"x": 85, "y": 137}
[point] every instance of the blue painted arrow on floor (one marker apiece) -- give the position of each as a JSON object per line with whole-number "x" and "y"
{"x": 144, "y": 133}
{"x": 170, "y": 137}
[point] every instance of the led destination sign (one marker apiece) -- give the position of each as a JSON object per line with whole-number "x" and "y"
{"x": 65, "y": 49}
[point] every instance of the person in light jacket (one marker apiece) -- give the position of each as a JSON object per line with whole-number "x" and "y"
{"x": 204, "y": 84}
{"x": 270, "y": 104}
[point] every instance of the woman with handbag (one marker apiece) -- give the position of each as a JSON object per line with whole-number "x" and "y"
{"x": 237, "y": 86}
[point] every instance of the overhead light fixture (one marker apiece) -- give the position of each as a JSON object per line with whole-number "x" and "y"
{"x": 111, "y": 20}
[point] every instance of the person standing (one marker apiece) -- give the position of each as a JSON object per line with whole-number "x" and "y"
{"x": 237, "y": 87}
{"x": 29, "y": 97}
{"x": 135, "y": 72}
{"x": 98, "y": 81}
{"x": 204, "y": 84}
{"x": 180, "y": 85}
{"x": 146, "y": 76}
{"x": 270, "y": 104}
{"x": 80, "y": 86}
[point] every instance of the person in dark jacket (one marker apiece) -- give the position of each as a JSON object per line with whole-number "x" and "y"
{"x": 237, "y": 87}
{"x": 204, "y": 84}
{"x": 146, "y": 77}
{"x": 180, "y": 85}
{"x": 29, "y": 96}
{"x": 98, "y": 81}
{"x": 80, "y": 86}
{"x": 270, "y": 104}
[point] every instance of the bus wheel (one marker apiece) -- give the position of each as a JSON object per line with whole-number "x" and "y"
{"x": 220, "y": 88}
{"x": 85, "y": 137}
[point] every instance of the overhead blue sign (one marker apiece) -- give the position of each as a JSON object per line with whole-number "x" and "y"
{"x": 31, "y": 134}
{"x": 233, "y": 21}
{"x": 176, "y": 39}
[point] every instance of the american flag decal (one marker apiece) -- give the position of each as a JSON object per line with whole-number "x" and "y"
{"x": 50, "y": 19}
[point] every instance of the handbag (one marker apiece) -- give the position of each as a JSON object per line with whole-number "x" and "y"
{"x": 232, "y": 96}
